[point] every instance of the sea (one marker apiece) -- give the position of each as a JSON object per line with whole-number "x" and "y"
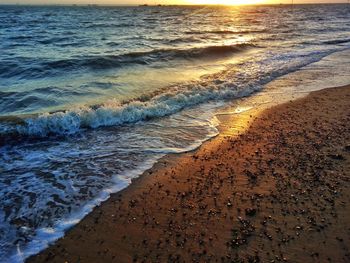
{"x": 92, "y": 96}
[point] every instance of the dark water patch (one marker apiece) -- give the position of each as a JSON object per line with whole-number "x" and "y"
{"x": 6, "y": 94}
{"x": 337, "y": 41}
{"x": 21, "y": 37}
{"x": 20, "y": 68}
{"x": 72, "y": 44}
{"x": 327, "y": 42}
{"x": 37, "y": 98}
{"x": 108, "y": 25}
{"x": 10, "y": 137}
{"x": 27, "y": 102}
{"x": 54, "y": 40}
{"x": 113, "y": 44}
{"x": 183, "y": 40}
{"x": 58, "y": 91}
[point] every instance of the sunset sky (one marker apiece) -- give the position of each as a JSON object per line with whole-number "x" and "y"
{"x": 122, "y": 2}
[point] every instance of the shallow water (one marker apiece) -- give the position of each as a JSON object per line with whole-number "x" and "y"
{"x": 90, "y": 97}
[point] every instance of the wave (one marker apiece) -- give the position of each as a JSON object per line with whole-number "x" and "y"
{"x": 144, "y": 57}
{"x": 165, "y": 102}
{"x": 114, "y": 113}
{"x": 328, "y": 42}
{"x": 18, "y": 101}
{"x": 35, "y": 69}
{"x": 53, "y": 40}
{"x": 337, "y": 41}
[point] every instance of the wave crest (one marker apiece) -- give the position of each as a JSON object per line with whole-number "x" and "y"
{"x": 35, "y": 69}
{"x": 145, "y": 57}
{"x": 114, "y": 113}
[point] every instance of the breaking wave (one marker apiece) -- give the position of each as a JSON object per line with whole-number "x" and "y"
{"x": 114, "y": 113}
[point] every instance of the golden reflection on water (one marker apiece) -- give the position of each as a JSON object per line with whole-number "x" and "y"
{"x": 226, "y": 2}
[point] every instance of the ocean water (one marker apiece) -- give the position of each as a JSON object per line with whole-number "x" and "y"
{"x": 90, "y": 97}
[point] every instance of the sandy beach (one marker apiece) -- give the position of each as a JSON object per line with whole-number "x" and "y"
{"x": 277, "y": 192}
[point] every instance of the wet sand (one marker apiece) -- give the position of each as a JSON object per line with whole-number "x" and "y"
{"x": 278, "y": 192}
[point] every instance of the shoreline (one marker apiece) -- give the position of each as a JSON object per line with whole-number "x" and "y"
{"x": 225, "y": 202}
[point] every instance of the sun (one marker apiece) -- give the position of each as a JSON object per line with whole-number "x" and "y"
{"x": 226, "y": 2}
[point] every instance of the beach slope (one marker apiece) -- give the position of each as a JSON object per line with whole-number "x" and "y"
{"x": 278, "y": 192}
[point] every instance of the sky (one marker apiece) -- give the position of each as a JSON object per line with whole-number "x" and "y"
{"x": 121, "y": 2}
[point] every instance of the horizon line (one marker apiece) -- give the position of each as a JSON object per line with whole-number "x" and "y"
{"x": 155, "y": 5}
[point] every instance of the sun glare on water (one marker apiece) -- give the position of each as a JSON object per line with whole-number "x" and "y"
{"x": 226, "y": 2}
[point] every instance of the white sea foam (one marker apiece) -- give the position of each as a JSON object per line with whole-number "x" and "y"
{"x": 46, "y": 235}
{"x": 113, "y": 113}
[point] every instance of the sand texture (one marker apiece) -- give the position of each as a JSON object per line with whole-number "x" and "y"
{"x": 278, "y": 192}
